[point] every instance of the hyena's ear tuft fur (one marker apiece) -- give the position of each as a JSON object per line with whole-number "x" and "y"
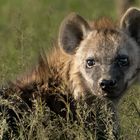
{"x": 72, "y": 31}
{"x": 130, "y": 23}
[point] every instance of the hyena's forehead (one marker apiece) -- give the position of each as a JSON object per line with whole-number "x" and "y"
{"x": 100, "y": 44}
{"x": 105, "y": 45}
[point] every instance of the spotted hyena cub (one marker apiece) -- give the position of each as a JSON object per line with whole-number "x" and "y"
{"x": 91, "y": 58}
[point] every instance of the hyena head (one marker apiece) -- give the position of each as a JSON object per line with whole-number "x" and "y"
{"x": 106, "y": 58}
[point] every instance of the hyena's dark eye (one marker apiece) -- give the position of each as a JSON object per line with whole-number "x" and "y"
{"x": 123, "y": 61}
{"x": 90, "y": 63}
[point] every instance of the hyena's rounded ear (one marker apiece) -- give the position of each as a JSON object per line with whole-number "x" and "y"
{"x": 72, "y": 31}
{"x": 130, "y": 23}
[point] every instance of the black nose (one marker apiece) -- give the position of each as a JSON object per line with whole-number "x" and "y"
{"x": 108, "y": 84}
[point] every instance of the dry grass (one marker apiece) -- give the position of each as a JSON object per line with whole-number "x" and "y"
{"x": 92, "y": 122}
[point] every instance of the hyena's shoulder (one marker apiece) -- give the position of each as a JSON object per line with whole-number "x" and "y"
{"x": 49, "y": 65}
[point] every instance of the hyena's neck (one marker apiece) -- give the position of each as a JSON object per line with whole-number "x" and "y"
{"x": 74, "y": 79}
{"x": 63, "y": 66}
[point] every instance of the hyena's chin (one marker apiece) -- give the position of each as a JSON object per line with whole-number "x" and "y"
{"x": 115, "y": 93}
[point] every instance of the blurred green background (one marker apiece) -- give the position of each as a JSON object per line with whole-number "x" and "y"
{"x": 26, "y": 26}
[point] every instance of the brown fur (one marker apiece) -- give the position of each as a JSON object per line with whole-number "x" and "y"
{"x": 102, "y": 24}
